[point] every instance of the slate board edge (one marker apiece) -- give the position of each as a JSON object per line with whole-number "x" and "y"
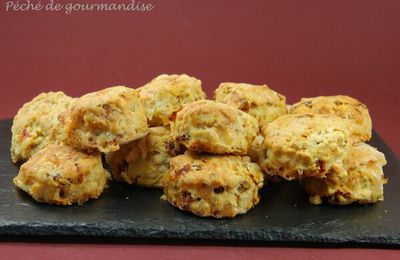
{"x": 265, "y": 236}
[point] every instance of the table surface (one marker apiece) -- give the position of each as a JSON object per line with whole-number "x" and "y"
{"x": 298, "y": 48}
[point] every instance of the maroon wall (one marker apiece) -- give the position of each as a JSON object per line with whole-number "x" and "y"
{"x": 299, "y": 48}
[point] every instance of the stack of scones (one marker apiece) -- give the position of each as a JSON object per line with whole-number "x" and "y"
{"x": 210, "y": 157}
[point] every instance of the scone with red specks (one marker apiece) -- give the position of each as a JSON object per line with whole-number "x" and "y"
{"x": 103, "y": 120}
{"x": 300, "y": 145}
{"x": 145, "y": 161}
{"x": 166, "y": 94}
{"x": 219, "y": 186}
{"x": 213, "y": 127}
{"x": 36, "y": 125}
{"x": 59, "y": 174}
{"x": 258, "y": 100}
{"x": 362, "y": 182}
{"x": 354, "y": 113}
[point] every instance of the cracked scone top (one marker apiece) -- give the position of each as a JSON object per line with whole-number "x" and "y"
{"x": 105, "y": 119}
{"x": 209, "y": 126}
{"x": 258, "y": 100}
{"x": 213, "y": 185}
{"x": 304, "y": 145}
{"x": 167, "y": 94}
{"x": 354, "y": 113}
{"x": 361, "y": 182}
{"x": 144, "y": 161}
{"x": 36, "y": 124}
{"x": 59, "y": 174}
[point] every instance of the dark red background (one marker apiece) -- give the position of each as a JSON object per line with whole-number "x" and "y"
{"x": 299, "y": 48}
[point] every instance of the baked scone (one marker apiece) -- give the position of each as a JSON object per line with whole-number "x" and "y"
{"x": 105, "y": 119}
{"x": 167, "y": 94}
{"x": 36, "y": 124}
{"x": 59, "y": 174}
{"x": 144, "y": 161}
{"x": 304, "y": 145}
{"x": 213, "y": 185}
{"x": 354, "y": 113}
{"x": 362, "y": 182}
{"x": 258, "y": 100}
{"x": 209, "y": 126}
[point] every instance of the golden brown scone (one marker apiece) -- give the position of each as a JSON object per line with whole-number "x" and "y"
{"x": 258, "y": 100}
{"x": 362, "y": 182}
{"x": 166, "y": 94}
{"x": 144, "y": 161}
{"x": 304, "y": 145}
{"x": 105, "y": 119}
{"x": 213, "y": 185}
{"x": 59, "y": 174}
{"x": 209, "y": 126}
{"x": 36, "y": 124}
{"x": 353, "y": 112}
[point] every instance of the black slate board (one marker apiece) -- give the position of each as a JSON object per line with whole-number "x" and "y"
{"x": 283, "y": 217}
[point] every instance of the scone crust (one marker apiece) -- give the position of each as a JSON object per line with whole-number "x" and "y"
{"x": 353, "y": 112}
{"x": 298, "y": 145}
{"x": 36, "y": 124}
{"x": 213, "y": 185}
{"x": 362, "y": 182}
{"x": 105, "y": 119}
{"x": 258, "y": 100}
{"x": 166, "y": 94}
{"x": 209, "y": 126}
{"x": 59, "y": 174}
{"x": 145, "y": 161}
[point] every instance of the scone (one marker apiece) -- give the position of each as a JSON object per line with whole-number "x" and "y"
{"x": 144, "y": 161}
{"x": 36, "y": 124}
{"x": 353, "y": 112}
{"x": 213, "y": 185}
{"x": 209, "y": 126}
{"x": 61, "y": 175}
{"x": 304, "y": 145}
{"x": 363, "y": 181}
{"x": 258, "y": 100}
{"x": 167, "y": 94}
{"x": 105, "y": 119}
